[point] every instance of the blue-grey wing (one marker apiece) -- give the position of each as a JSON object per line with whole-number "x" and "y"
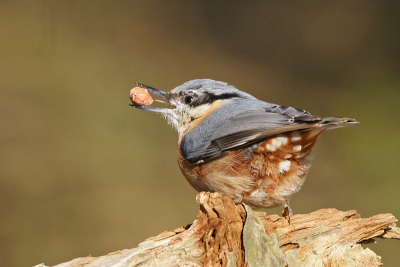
{"x": 252, "y": 127}
{"x": 232, "y": 128}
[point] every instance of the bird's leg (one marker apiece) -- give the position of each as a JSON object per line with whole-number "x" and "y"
{"x": 287, "y": 211}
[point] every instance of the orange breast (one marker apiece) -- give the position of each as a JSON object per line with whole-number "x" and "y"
{"x": 263, "y": 176}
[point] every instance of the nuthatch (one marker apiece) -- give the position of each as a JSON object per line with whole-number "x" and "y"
{"x": 228, "y": 141}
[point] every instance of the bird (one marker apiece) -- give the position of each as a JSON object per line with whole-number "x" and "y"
{"x": 256, "y": 152}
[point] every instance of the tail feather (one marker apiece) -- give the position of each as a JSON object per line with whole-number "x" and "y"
{"x": 337, "y": 122}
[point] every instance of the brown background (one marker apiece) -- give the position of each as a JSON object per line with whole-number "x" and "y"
{"x": 83, "y": 173}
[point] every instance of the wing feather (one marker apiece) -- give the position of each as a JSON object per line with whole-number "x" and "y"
{"x": 252, "y": 127}
{"x": 260, "y": 120}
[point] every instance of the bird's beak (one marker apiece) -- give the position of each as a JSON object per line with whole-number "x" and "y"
{"x": 157, "y": 92}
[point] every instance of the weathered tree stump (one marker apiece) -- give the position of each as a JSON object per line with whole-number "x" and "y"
{"x": 225, "y": 234}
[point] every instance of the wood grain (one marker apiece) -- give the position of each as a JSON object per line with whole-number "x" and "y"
{"x": 225, "y": 234}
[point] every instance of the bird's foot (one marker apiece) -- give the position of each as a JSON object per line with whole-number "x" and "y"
{"x": 287, "y": 211}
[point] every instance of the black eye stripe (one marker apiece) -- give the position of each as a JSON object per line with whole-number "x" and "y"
{"x": 222, "y": 96}
{"x": 209, "y": 98}
{"x": 194, "y": 99}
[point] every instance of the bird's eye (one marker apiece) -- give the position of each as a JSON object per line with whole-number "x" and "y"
{"x": 188, "y": 99}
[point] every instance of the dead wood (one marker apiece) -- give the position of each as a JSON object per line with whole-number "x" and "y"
{"x": 225, "y": 234}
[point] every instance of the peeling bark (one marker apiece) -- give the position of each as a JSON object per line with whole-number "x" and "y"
{"x": 225, "y": 234}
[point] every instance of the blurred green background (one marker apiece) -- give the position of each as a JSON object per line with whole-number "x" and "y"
{"x": 83, "y": 173}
